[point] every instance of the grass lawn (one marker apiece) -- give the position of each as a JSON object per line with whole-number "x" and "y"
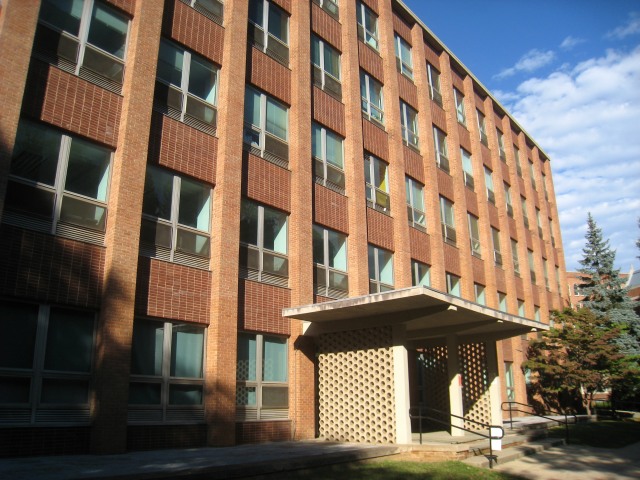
{"x": 397, "y": 470}
{"x": 603, "y": 434}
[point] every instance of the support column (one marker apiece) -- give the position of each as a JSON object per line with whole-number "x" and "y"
{"x": 401, "y": 385}
{"x": 495, "y": 386}
{"x": 456, "y": 405}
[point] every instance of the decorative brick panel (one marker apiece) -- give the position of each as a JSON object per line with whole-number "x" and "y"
{"x": 486, "y": 156}
{"x": 402, "y": 28}
{"x": 328, "y": 111}
{"x": 69, "y": 102}
{"x": 520, "y": 287}
{"x": 370, "y": 61}
{"x": 535, "y": 295}
{"x": 451, "y": 259}
{"x": 124, "y": 5}
{"x": 267, "y": 74}
{"x": 464, "y": 137}
{"x": 330, "y": 209}
{"x": 171, "y": 291}
{"x": 506, "y": 175}
{"x": 262, "y": 432}
{"x": 413, "y": 163}
{"x": 373, "y": 5}
{"x": 265, "y": 182}
{"x": 432, "y": 56}
{"x": 182, "y": 148}
{"x": 260, "y": 307}
{"x": 457, "y": 80}
{"x": 420, "y": 243}
{"x": 477, "y": 265}
{"x": 284, "y": 4}
{"x": 472, "y": 202}
{"x": 494, "y": 219}
{"x": 375, "y": 139}
{"x": 326, "y": 26}
{"x": 445, "y": 185}
{"x": 478, "y": 101}
{"x": 380, "y": 229}
{"x": 46, "y": 268}
{"x": 408, "y": 91}
{"x": 501, "y": 283}
{"x": 438, "y": 117}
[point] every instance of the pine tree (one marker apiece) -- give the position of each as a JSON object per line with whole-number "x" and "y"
{"x": 604, "y": 290}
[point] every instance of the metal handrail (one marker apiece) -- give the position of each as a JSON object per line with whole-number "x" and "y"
{"x": 491, "y": 457}
{"x": 532, "y": 412}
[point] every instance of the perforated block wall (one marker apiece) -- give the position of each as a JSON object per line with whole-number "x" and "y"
{"x": 475, "y": 383}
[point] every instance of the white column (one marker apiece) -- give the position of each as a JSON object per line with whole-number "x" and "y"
{"x": 495, "y": 386}
{"x": 455, "y": 385}
{"x": 401, "y": 385}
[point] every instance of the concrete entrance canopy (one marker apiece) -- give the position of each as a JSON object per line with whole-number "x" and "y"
{"x": 425, "y": 313}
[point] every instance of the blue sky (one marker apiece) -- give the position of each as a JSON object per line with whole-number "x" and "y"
{"x": 569, "y": 72}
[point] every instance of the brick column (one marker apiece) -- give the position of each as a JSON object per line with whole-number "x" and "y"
{"x": 18, "y": 21}
{"x": 220, "y": 368}
{"x": 115, "y": 326}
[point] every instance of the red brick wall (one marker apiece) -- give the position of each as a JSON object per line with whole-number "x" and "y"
{"x": 330, "y": 209}
{"x": 328, "y": 111}
{"x": 16, "y": 442}
{"x": 407, "y": 91}
{"x": 445, "y": 185}
{"x": 478, "y": 269}
{"x": 370, "y": 61}
{"x": 125, "y": 5}
{"x": 43, "y": 267}
{"x": 326, "y": 26}
{"x": 267, "y": 183}
{"x": 451, "y": 259}
{"x": 464, "y": 137}
{"x": 375, "y": 139}
{"x": 472, "y": 202}
{"x": 260, "y": 307}
{"x": 171, "y": 291}
{"x": 420, "y": 246}
{"x": 157, "y": 437}
{"x": 260, "y": 432}
{"x": 438, "y": 117}
{"x": 267, "y": 74}
{"x": 413, "y": 163}
{"x": 380, "y": 229}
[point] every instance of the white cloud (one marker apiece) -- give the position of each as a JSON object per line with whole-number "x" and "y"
{"x": 587, "y": 118}
{"x": 529, "y": 62}
{"x": 632, "y": 27}
{"x": 570, "y": 42}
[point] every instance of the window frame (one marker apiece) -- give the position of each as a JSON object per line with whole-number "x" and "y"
{"x": 278, "y": 51}
{"x": 515, "y": 257}
{"x": 467, "y": 169}
{"x": 322, "y": 78}
{"x": 497, "y": 251}
{"x": 330, "y": 6}
{"x": 324, "y": 162}
{"x": 328, "y": 288}
{"x": 474, "y": 235}
{"x": 501, "y": 151}
{"x": 480, "y": 294}
{"x": 453, "y": 284}
{"x": 377, "y": 198}
{"x": 488, "y": 181}
{"x": 435, "y": 90}
{"x": 502, "y": 302}
{"x": 525, "y": 216}
{"x": 409, "y": 124}
{"x": 507, "y": 198}
{"x": 198, "y": 6}
{"x": 441, "y": 149}
{"x": 509, "y": 382}
{"x": 482, "y": 127}
{"x": 376, "y": 285}
{"x": 532, "y": 266}
{"x": 369, "y": 109}
{"x": 417, "y": 217}
{"x": 368, "y": 37}
{"x": 448, "y": 230}
{"x": 458, "y": 98}
{"x": 516, "y": 157}
{"x": 418, "y": 278}
{"x": 403, "y": 67}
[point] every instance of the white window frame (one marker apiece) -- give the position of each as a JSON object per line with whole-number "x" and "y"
{"x": 434, "y": 84}
{"x": 532, "y": 174}
{"x": 448, "y": 229}
{"x": 371, "y": 111}
{"x": 539, "y": 222}
{"x": 501, "y": 151}
{"x": 266, "y": 140}
{"x": 474, "y": 235}
{"x": 441, "y": 150}
{"x": 525, "y": 216}
{"x": 467, "y": 169}
{"x": 415, "y": 206}
{"x": 420, "y": 274}
{"x": 508, "y": 201}
{"x": 409, "y": 122}
{"x": 377, "y": 197}
{"x": 458, "y": 98}
{"x": 515, "y": 257}
{"x": 366, "y": 36}
{"x": 497, "y": 251}
{"x": 509, "y": 382}
{"x": 279, "y": 50}
{"x": 376, "y": 285}
{"x": 545, "y": 271}
{"x": 331, "y": 286}
{"x": 488, "y": 180}
{"x": 532, "y": 266}
{"x": 482, "y": 128}
{"x": 405, "y": 66}
{"x": 324, "y": 164}
{"x": 321, "y": 77}
{"x": 516, "y": 156}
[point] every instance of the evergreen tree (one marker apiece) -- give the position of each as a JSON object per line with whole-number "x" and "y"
{"x": 604, "y": 290}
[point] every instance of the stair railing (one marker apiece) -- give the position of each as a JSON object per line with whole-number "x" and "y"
{"x": 423, "y": 414}
{"x": 531, "y": 411}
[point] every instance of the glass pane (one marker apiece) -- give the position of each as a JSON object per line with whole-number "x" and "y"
{"x": 335, "y": 175}
{"x": 29, "y": 200}
{"x": 316, "y": 142}
{"x": 64, "y": 14}
{"x": 249, "y": 223}
{"x": 275, "y": 397}
{"x": 158, "y": 188}
{"x": 88, "y": 170}
{"x": 191, "y": 242}
{"x": 421, "y": 274}
{"x": 372, "y": 263}
{"x": 202, "y": 79}
{"x": 252, "y": 107}
{"x": 380, "y": 175}
{"x": 418, "y": 197}
{"x": 249, "y": 257}
{"x": 14, "y": 389}
{"x": 375, "y": 93}
{"x": 246, "y": 396}
{"x": 108, "y": 30}
{"x": 338, "y": 281}
{"x": 274, "y": 360}
{"x": 278, "y": 24}
{"x": 255, "y": 11}
{"x": 320, "y": 276}
{"x": 334, "y": 149}
{"x": 18, "y": 324}
{"x": 315, "y": 51}
{"x": 144, "y": 393}
{"x": 318, "y": 245}
{"x": 69, "y": 341}
{"x": 275, "y": 264}
{"x": 246, "y": 365}
{"x": 155, "y": 233}
{"x": 170, "y": 61}
{"x": 35, "y": 155}
{"x": 385, "y": 265}
{"x": 84, "y": 214}
{"x": 337, "y": 250}
{"x": 195, "y": 205}
{"x": 187, "y": 351}
{"x": 65, "y": 391}
{"x": 275, "y": 231}
{"x": 146, "y": 348}
{"x": 276, "y": 119}
{"x": 331, "y": 61}
{"x": 185, "y": 394}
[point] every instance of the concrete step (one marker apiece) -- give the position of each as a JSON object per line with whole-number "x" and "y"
{"x": 512, "y": 453}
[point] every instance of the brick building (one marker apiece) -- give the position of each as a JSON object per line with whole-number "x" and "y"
{"x": 257, "y": 220}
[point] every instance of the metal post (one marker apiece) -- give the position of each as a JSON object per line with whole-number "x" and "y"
{"x": 510, "y": 417}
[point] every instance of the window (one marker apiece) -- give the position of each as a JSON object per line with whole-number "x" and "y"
{"x": 372, "y": 102}
{"x": 553, "y": 239}
{"x": 497, "y": 255}
{"x": 558, "y": 279}
{"x": 521, "y": 311}
{"x": 86, "y": 38}
{"x": 409, "y": 119}
{"x": 212, "y": 9}
{"x": 488, "y": 180}
{"x": 508, "y": 379}
{"x": 326, "y": 67}
{"x": 328, "y": 158}
{"x": 539, "y": 222}
{"x": 441, "y": 154}
{"x": 262, "y": 388}
{"x": 329, "y": 6}
{"x": 482, "y": 128}
{"x": 459, "y": 101}
{"x": 545, "y": 268}
{"x": 467, "y": 168}
{"x": 266, "y": 124}
{"x": 514, "y": 255}
{"x": 263, "y": 244}
{"x": 404, "y": 63}
{"x": 507, "y": 197}
{"x": 415, "y": 204}
{"x": 536, "y": 313}
{"x": 420, "y": 274}
{"x": 532, "y": 266}
{"x": 46, "y": 357}
{"x": 532, "y": 174}
{"x": 376, "y": 175}
{"x": 525, "y": 217}
{"x": 453, "y": 284}
{"x": 380, "y": 270}
{"x": 502, "y": 302}
{"x": 479, "y": 294}
{"x": 367, "y": 25}
{"x": 167, "y": 373}
{"x": 501, "y": 151}
{"x": 447, "y": 220}
{"x": 474, "y": 236}
{"x": 434, "y": 84}
{"x": 175, "y": 218}
{"x": 544, "y": 187}
{"x": 269, "y": 30}
{"x": 187, "y": 87}
{"x": 58, "y": 184}
{"x": 516, "y": 155}
{"x": 330, "y": 257}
